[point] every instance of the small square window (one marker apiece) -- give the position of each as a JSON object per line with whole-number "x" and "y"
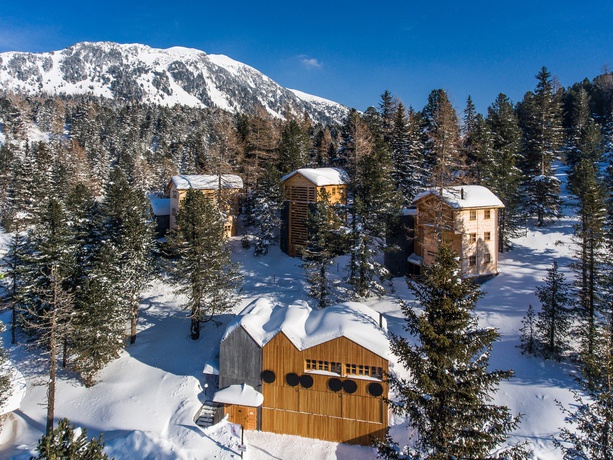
{"x": 487, "y": 236}
{"x": 472, "y": 261}
{"x": 473, "y": 214}
{"x": 472, "y": 238}
{"x": 487, "y": 258}
{"x": 487, "y": 214}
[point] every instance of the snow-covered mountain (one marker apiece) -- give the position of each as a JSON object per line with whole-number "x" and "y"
{"x": 160, "y": 76}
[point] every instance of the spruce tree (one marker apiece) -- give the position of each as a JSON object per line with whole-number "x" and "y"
{"x": 555, "y": 319}
{"x": 128, "y": 234}
{"x": 68, "y": 442}
{"x": 323, "y": 223}
{"x": 201, "y": 262}
{"x": 447, "y": 395}
{"x": 527, "y": 333}
{"x": 540, "y": 119}
{"x": 266, "y": 206}
{"x": 6, "y": 388}
{"x": 293, "y": 147}
{"x": 501, "y": 173}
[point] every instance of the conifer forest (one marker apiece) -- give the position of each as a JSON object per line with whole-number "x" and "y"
{"x": 77, "y": 174}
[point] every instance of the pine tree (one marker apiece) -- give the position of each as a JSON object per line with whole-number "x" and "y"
{"x": 323, "y": 223}
{"x": 441, "y": 132}
{"x": 447, "y": 396}
{"x": 293, "y": 147}
{"x": 69, "y": 442}
{"x": 201, "y": 262}
{"x": 6, "y": 388}
{"x": 128, "y": 234}
{"x": 266, "y": 205}
{"x": 540, "y": 119}
{"x": 528, "y": 334}
{"x": 501, "y": 173}
{"x": 588, "y": 434}
{"x": 408, "y": 162}
{"x": 590, "y": 241}
{"x": 554, "y": 320}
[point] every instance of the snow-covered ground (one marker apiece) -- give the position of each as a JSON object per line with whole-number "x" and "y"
{"x": 146, "y": 400}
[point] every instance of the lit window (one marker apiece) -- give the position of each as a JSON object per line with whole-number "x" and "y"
{"x": 487, "y": 214}
{"x": 473, "y": 214}
{"x": 472, "y": 261}
{"x": 487, "y": 236}
{"x": 472, "y": 238}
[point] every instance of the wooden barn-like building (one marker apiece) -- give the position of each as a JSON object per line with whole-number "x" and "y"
{"x": 320, "y": 373}
{"x": 229, "y": 185}
{"x": 301, "y": 189}
{"x": 468, "y": 217}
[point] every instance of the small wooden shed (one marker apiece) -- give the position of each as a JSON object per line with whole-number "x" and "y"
{"x": 301, "y": 188}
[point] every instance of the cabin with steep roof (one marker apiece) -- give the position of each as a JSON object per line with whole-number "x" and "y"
{"x": 301, "y": 189}
{"x": 320, "y": 373}
{"x": 224, "y": 187}
{"x": 467, "y": 218}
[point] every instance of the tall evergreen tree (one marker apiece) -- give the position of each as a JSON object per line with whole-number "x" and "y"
{"x": 128, "y": 234}
{"x": 6, "y": 388}
{"x": 293, "y": 147}
{"x": 590, "y": 241}
{"x": 554, "y": 320}
{"x": 501, "y": 172}
{"x": 540, "y": 119}
{"x": 266, "y": 206}
{"x": 323, "y": 223}
{"x": 201, "y": 262}
{"x": 447, "y": 395}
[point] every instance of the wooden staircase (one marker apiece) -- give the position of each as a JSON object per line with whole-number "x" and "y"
{"x": 209, "y": 414}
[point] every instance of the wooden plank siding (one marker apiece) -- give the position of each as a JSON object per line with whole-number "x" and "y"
{"x": 318, "y": 412}
{"x": 299, "y": 192}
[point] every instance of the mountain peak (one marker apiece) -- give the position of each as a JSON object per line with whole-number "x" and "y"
{"x": 172, "y": 76}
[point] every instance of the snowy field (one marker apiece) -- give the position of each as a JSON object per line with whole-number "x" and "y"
{"x": 146, "y": 400}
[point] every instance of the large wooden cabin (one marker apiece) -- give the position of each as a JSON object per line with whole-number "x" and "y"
{"x": 320, "y": 372}
{"x": 467, "y": 218}
{"x": 227, "y": 187}
{"x": 302, "y": 188}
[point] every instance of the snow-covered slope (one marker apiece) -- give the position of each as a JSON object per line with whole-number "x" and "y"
{"x": 162, "y": 76}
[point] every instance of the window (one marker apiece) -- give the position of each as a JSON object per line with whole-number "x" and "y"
{"x": 174, "y": 194}
{"x": 472, "y": 238}
{"x": 473, "y": 214}
{"x": 320, "y": 365}
{"x": 487, "y": 214}
{"x": 360, "y": 369}
{"x": 487, "y": 258}
{"x": 174, "y": 211}
{"x": 472, "y": 261}
{"x": 487, "y": 236}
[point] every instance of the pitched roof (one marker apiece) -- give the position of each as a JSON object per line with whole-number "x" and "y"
{"x": 206, "y": 182}
{"x": 306, "y": 327}
{"x": 321, "y": 176}
{"x": 465, "y": 196}
{"x": 243, "y": 395}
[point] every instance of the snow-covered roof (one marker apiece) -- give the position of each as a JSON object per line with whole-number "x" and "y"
{"x": 243, "y": 395}
{"x": 206, "y": 182}
{"x": 321, "y": 176}
{"x": 160, "y": 206}
{"x": 465, "y": 196}
{"x": 306, "y": 327}
{"x": 18, "y": 389}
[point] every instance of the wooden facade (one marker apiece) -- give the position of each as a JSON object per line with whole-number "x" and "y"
{"x": 333, "y": 389}
{"x": 301, "y": 189}
{"x": 469, "y": 227}
{"x": 176, "y": 190}
{"x": 310, "y": 408}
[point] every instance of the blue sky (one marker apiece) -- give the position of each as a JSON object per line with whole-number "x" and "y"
{"x": 349, "y": 51}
